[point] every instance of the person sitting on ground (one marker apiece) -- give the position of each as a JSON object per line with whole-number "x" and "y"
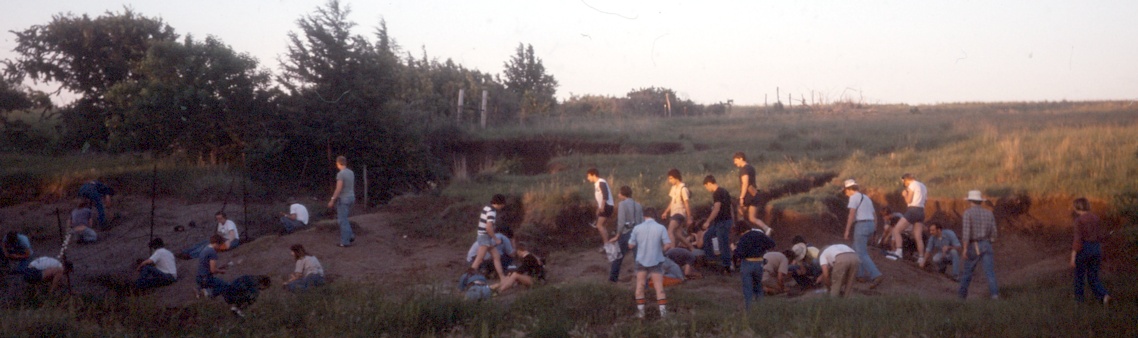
{"x": 308, "y": 273}
{"x": 17, "y": 252}
{"x": 243, "y": 291}
{"x": 683, "y": 258}
{"x": 296, "y": 218}
{"x": 226, "y": 229}
{"x": 505, "y": 249}
{"x": 752, "y": 245}
{"x": 487, "y": 226}
{"x": 473, "y": 286}
{"x": 82, "y": 223}
{"x": 46, "y": 269}
{"x": 158, "y": 270}
{"x": 531, "y": 269}
{"x": 208, "y": 267}
{"x": 944, "y": 247}
{"x": 804, "y": 268}
{"x": 775, "y": 271}
{"x": 839, "y": 266}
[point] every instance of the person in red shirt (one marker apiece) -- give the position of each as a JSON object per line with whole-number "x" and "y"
{"x": 1086, "y": 252}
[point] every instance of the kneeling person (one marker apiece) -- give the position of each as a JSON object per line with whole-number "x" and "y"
{"x": 158, "y": 270}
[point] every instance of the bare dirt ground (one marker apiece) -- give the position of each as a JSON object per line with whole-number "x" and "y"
{"x": 382, "y": 255}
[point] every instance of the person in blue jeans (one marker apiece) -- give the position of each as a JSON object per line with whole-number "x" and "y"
{"x": 861, "y": 220}
{"x": 979, "y": 233}
{"x": 718, "y": 224}
{"x": 158, "y": 270}
{"x": 209, "y": 267}
{"x": 753, "y": 244}
{"x": 343, "y": 198}
{"x": 1086, "y": 252}
{"x": 98, "y": 193}
{"x": 309, "y": 273}
{"x": 629, "y": 214}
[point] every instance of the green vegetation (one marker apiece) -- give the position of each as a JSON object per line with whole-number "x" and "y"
{"x": 1042, "y": 309}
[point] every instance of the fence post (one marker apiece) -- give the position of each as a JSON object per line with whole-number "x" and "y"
{"x": 365, "y": 179}
{"x": 458, "y": 112}
{"x": 484, "y": 93}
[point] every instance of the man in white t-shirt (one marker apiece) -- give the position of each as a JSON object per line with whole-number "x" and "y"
{"x": 226, "y": 228}
{"x": 296, "y": 218}
{"x": 839, "y": 265}
{"x": 158, "y": 270}
{"x": 861, "y": 221}
{"x": 915, "y": 194}
{"x": 46, "y": 269}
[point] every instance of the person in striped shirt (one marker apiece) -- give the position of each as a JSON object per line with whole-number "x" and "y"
{"x": 486, "y": 238}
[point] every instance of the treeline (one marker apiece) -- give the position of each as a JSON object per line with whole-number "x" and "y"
{"x": 652, "y": 101}
{"x": 144, "y": 88}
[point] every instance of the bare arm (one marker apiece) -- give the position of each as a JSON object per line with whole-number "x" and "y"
{"x": 715, "y": 209}
{"x": 144, "y": 263}
{"x": 850, "y": 222}
{"x": 743, "y": 187}
{"x": 336, "y": 193}
{"x": 213, "y": 268}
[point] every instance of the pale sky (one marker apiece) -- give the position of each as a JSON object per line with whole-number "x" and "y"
{"x": 708, "y": 51}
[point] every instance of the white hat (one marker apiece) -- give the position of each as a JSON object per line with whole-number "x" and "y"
{"x": 799, "y": 251}
{"x": 850, "y": 183}
{"x": 974, "y": 195}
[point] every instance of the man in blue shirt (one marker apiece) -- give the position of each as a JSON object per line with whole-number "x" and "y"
{"x": 650, "y": 239}
{"x": 944, "y": 247}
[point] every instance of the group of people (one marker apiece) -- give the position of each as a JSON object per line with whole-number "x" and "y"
{"x": 838, "y": 266}
{"x": 494, "y": 250}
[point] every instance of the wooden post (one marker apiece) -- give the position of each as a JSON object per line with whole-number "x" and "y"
{"x": 366, "y": 185}
{"x": 667, "y": 105}
{"x": 484, "y": 93}
{"x": 458, "y": 112}
{"x": 59, "y": 221}
{"x": 245, "y": 203}
{"x": 777, "y": 95}
{"x": 764, "y": 101}
{"x": 153, "y": 196}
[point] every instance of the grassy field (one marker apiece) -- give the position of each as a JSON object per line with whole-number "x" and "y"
{"x": 582, "y": 310}
{"x": 1041, "y": 150}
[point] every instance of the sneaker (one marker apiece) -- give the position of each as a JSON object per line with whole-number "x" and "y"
{"x": 876, "y": 282}
{"x": 663, "y": 313}
{"x": 237, "y": 311}
{"x": 892, "y": 255}
{"x": 205, "y": 293}
{"x": 995, "y": 297}
{"x": 640, "y": 313}
{"x": 921, "y": 262}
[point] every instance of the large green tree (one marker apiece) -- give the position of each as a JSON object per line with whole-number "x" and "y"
{"x": 527, "y": 80}
{"x": 199, "y": 98}
{"x": 340, "y": 88}
{"x": 87, "y": 56}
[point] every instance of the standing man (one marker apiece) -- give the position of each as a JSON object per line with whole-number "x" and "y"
{"x": 296, "y": 217}
{"x": 650, "y": 239}
{"x": 1086, "y": 252}
{"x": 100, "y": 196}
{"x": 718, "y": 225}
{"x": 839, "y": 265}
{"x": 679, "y": 210}
{"x": 915, "y": 194}
{"x": 749, "y": 193}
{"x": 603, "y": 195}
{"x": 979, "y": 233}
{"x": 753, "y": 244}
{"x": 944, "y": 247}
{"x": 487, "y": 239}
{"x": 861, "y": 215}
{"x": 629, "y": 214}
{"x": 343, "y": 198}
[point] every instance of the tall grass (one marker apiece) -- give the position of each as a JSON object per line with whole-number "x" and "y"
{"x": 1042, "y": 308}
{"x": 1042, "y": 149}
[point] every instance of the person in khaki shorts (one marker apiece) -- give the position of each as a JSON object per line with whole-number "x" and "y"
{"x": 839, "y": 266}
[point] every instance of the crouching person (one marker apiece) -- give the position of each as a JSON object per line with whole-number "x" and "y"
{"x": 158, "y": 270}
{"x": 208, "y": 267}
{"x": 46, "y": 269}
{"x": 308, "y": 274}
{"x": 243, "y": 291}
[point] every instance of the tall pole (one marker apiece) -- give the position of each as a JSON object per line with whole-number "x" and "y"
{"x": 458, "y": 112}
{"x": 153, "y": 196}
{"x": 365, "y": 187}
{"x": 484, "y": 93}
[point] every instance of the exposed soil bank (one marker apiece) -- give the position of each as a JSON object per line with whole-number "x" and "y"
{"x": 532, "y": 155}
